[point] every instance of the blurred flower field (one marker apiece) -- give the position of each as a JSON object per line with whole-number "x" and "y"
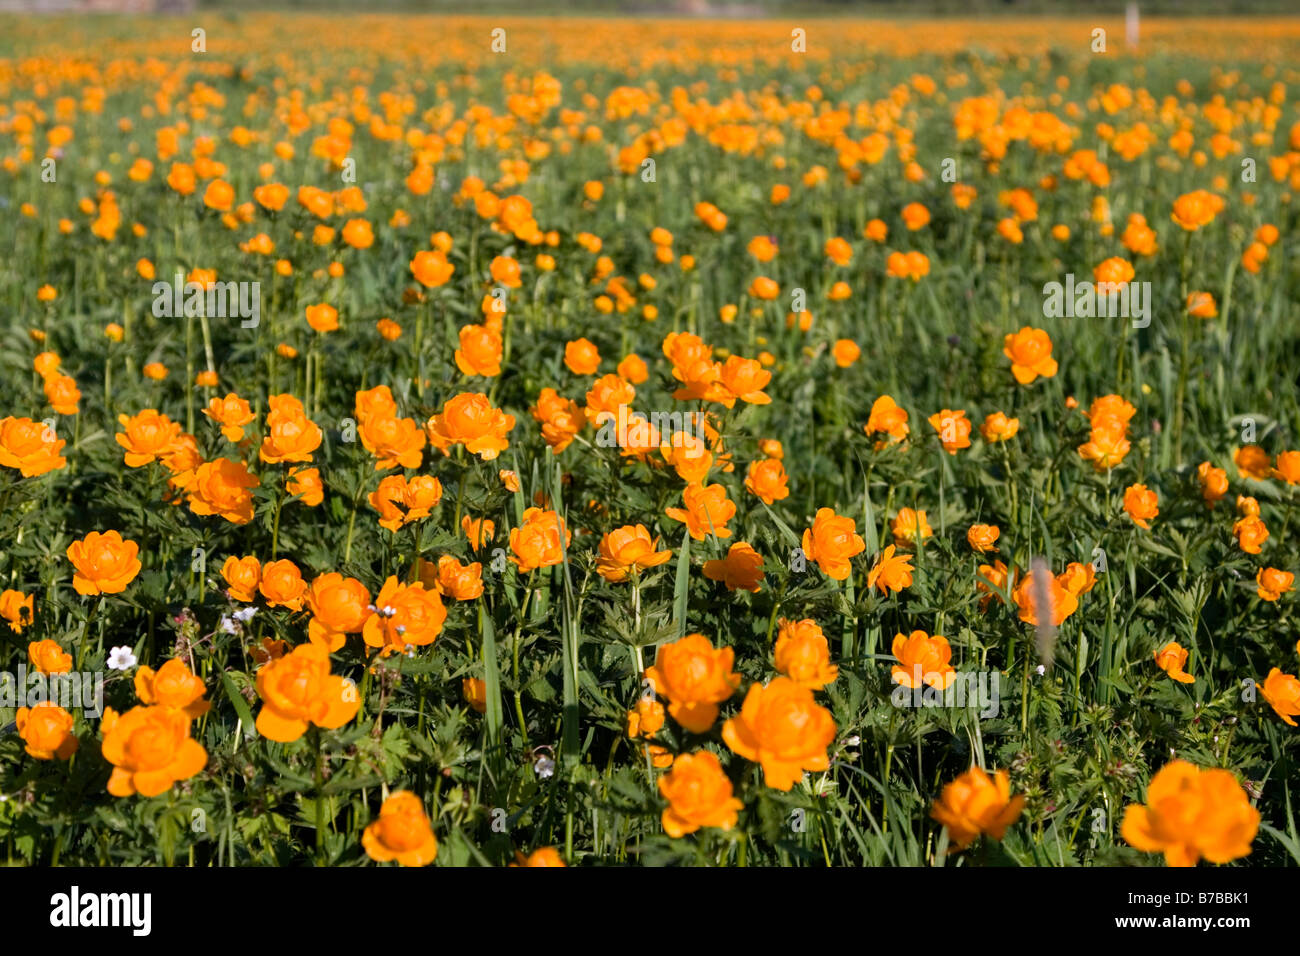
{"x": 555, "y": 442}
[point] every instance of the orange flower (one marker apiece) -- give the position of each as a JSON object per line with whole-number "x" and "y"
{"x": 982, "y": 538}
{"x": 911, "y": 265}
{"x": 1214, "y": 482}
{"x": 1196, "y": 209}
{"x": 767, "y": 479}
{"x": 1287, "y": 467}
{"x": 405, "y": 614}
{"x": 845, "y": 352}
{"x": 221, "y": 487}
{"x": 707, "y": 511}
{"x": 699, "y": 795}
{"x": 298, "y": 690}
{"x": 462, "y": 582}
{"x": 1062, "y": 601}
{"x": 741, "y": 569}
{"x": 1192, "y": 813}
{"x": 1251, "y": 533}
{"x": 537, "y": 542}
{"x": 1201, "y": 305}
{"x": 803, "y": 654}
{"x": 339, "y": 606}
{"x": 30, "y": 446}
{"x": 231, "y": 413}
{"x": 922, "y": 660}
{"x": 402, "y": 832}
{"x": 474, "y": 690}
{"x": 1141, "y": 504}
{"x": 561, "y": 419}
{"x": 105, "y": 563}
{"x": 696, "y": 678}
{"x": 888, "y": 417}
{"x": 17, "y": 610}
{"x": 62, "y": 393}
{"x": 743, "y": 379}
{"x": 172, "y": 685}
{"x": 1253, "y": 462}
{"x": 975, "y": 804}
{"x": 832, "y": 541}
{"x": 915, "y": 216}
{"x": 323, "y": 317}
{"x": 290, "y": 435}
{"x": 890, "y": 572}
{"x": 626, "y": 550}
{"x": 782, "y": 728}
{"x": 478, "y": 531}
{"x": 1030, "y": 351}
{"x": 1270, "y": 583}
{"x": 469, "y": 419}
{"x": 1172, "y": 659}
{"x": 147, "y": 437}
{"x": 282, "y": 585}
{"x": 150, "y": 749}
{"x": 480, "y": 351}
{"x": 581, "y": 357}
{"x": 47, "y": 656}
{"x": 1078, "y": 578}
{"x": 1106, "y": 446}
{"x": 953, "y": 428}
{"x": 647, "y": 719}
{"x": 1282, "y": 691}
{"x": 910, "y": 527}
{"x": 395, "y": 442}
{"x": 542, "y": 856}
{"x": 242, "y": 574}
{"x": 1115, "y": 271}
{"x": 305, "y": 484}
{"x": 46, "y": 731}
{"x": 431, "y": 269}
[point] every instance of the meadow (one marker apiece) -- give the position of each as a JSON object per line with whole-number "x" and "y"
{"x": 544, "y": 441}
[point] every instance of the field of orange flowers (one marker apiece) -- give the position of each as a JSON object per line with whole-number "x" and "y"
{"x": 550, "y": 442}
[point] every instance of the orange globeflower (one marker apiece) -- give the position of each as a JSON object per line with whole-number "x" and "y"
{"x": 953, "y": 428}
{"x": 172, "y": 685}
{"x": 388, "y": 329}
{"x": 1253, "y": 462}
{"x": 105, "y": 563}
{"x": 1141, "y": 504}
{"x": 323, "y": 317}
{"x": 1251, "y": 533}
{"x": 542, "y": 856}
{"x": 915, "y": 216}
{"x": 537, "y": 542}
{"x": 803, "y": 654}
{"x": 231, "y": 413}
{"x": 1172, "y": 659}
{"x": 1106, "y": 446}
{"x": 221, "y": 487}
{"x": 561, "y": 419}
{"x": 1030, "y": 351}
{"x": 647, "y": 719}
{"x": 1214, "y": 482}
{"x": 17, "y": 609}
{"x": 405, "y": 614}
{"x": 147, "y": 437}
{"x": 150, "y": 749}
{"x": 764, "y": 288}
{"x": 469, "y": 419}
{"x": 699, "y": 795}
{"x": 910, "y": 527}
{"x": 888, "y": 417}
{"x": 478, "y": 531}
{"x": 480, "y": 351}
{"x": 1287, "y": 467}
{"x": 1061, "y": 600}
{"x": 1270, "y": 583}
{"x": 1078, "y": 578}
{"x": 581, "y": 357}
{"x": 219, "y": 196}
{"x": 1196, "y": 209}
{"x": 474, "y": 691}
{"x": 48, "y": 657}
{"x": 781, "y": 727}
{"x": 62, "y": 393}
{"x": 306, "y": 485}
{"x": 982, "y": 538}
{"x": 242, "y": 574}
{"x": 339, "y": 606}
{"x": 744, "y": 380}
{"x": 741, "y": 569}
{"x": 696, "y": 678}
{"x": 46, "y": 731}
{"x": 402, "y": 832}
{"x": 431, "y": 269}
{"x": 707, "y": 511}
{"x": 922, "y": 660}
{"x": 395, "y": 442}
{"x": 845, "y": 352}
{"x": 1115, "y": 271}
{"x": 911, "y": 265}
{"x": 832, "y": 542}
{"x": 298, "y": 690}
{"x": 992, "y": 576}
{"x": 767, "y": 479}
{"x": 1282, "y": 691}
{"x": 461, "y": 582}
{"x": 290, "y": 435}
{"x": 1192, "y": 813}
{"x": 1201, "y": 305}
{"x": 890, "y": 572}
{"x": 282, "y": 585}
{"x": 627, "y": 550}
{"x": 976, "y": 804}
